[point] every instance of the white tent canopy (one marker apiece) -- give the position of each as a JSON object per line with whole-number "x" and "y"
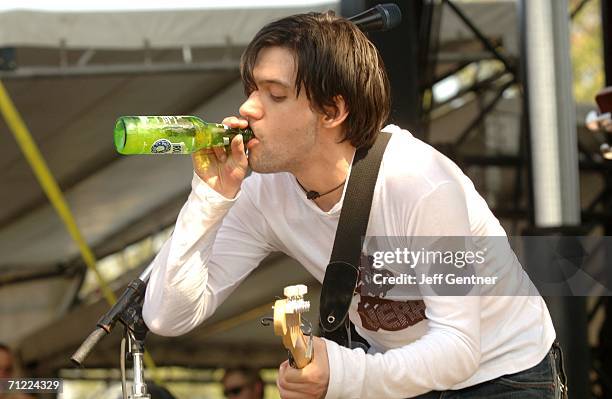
{"x": 128, "y": 26}
{"x": 115, "y": 200}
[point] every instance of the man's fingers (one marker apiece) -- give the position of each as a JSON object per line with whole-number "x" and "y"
{"x": 238, "y": 143}
{"x": 287, "y": 390}
{"x": 220, "y": 153}
{"x": 238, "y": 153}
{"x": 283, "y": 366}
{"x": 203, "y": 153}
{"x": 288, "y": 386}
{"x": 230, "y": 121}
{"x": 284, "y": 371}
{"x": 201, "y": 159}
{"x": 235, "y": 122}
{"x": 294, "y": 376}
{"x": 290, "y": 394}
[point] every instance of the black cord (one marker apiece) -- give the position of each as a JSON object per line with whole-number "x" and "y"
{"x": 312, "y": 195}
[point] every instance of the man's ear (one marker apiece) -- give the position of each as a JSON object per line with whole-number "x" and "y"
{"x": 335, "y": 116}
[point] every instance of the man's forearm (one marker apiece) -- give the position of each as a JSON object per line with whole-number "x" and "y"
{"x": 178, "y": 297}
{"x": 435, "y": 362}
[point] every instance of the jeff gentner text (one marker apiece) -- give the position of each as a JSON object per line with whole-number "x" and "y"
{"x": 435, "y": 279}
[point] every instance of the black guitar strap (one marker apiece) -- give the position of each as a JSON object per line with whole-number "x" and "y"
{"x": 342, "y": 273}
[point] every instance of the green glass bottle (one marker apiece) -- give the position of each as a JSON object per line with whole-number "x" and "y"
{"x": 171, "y": 134}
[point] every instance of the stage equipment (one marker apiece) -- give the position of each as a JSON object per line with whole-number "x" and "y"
{"x": 381, "y": 17}
{"x": 127, "y": 311}
{"x": 297, "y": 338}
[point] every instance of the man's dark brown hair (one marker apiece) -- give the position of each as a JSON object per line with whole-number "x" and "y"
{"x": 333, "y": 58}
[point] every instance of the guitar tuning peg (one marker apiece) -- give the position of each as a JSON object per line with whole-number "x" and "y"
{"x": 295, "y": 290}
{"x": 306, "y": 326}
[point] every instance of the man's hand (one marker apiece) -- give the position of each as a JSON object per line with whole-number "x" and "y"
{"x": 309, "y": 382}
{"x": 223, "y": 171}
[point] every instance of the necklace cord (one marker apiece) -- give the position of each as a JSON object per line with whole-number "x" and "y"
{"x": 312, "y": 195}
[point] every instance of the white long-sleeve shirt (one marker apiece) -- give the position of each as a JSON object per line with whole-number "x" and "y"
{"x": 433, "y": 343}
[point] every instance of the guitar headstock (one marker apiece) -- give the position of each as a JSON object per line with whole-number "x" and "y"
{"x": 288, "y": 324}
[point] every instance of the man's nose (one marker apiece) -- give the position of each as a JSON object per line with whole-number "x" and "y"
{"x": 251, "y": 108}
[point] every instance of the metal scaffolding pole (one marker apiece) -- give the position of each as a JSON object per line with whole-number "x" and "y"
{"x": 73, "y": 71}
{"x": 554, "y": 162}
{"x": 552, "y": 114}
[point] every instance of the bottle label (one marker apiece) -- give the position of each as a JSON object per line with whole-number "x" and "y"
{"x": 164, "y": 146}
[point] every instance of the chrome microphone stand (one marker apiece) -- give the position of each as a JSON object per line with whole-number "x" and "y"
{"x": 128, "y": 311}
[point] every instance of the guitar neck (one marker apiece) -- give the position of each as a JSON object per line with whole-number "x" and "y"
{"x": 288, "y": 326}
{"x": 298, "y": 346}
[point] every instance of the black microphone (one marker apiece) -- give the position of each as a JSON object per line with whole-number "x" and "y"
{"x": 381, "y": 17}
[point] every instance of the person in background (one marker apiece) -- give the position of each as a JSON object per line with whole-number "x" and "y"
{"x": 7, "y": 365}
{"x": 8, "y": 369}
{"x": 242, "y": 382}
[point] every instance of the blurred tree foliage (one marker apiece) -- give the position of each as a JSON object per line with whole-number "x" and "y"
{"x": 587, "y": 50}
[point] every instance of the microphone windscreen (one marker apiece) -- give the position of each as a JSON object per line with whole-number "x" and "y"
{"x": 392, "y": 15}
{"x": 381, "y": 17}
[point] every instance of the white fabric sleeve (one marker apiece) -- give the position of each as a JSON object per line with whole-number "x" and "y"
{"x": 216, "y": 243}
{"x": 447, "y": 354}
